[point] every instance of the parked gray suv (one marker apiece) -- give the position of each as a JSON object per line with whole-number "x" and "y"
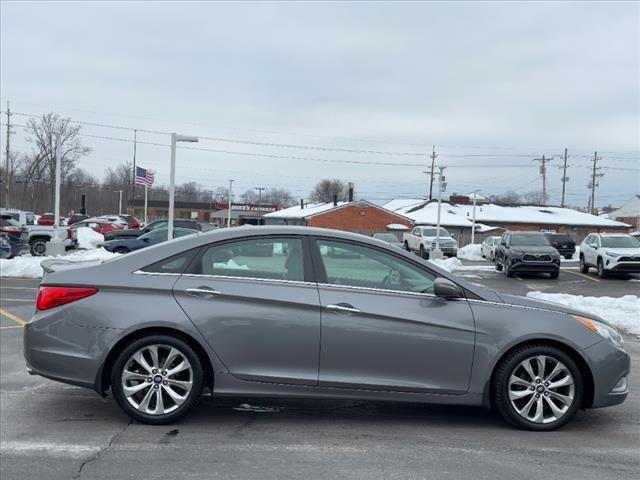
{"x": 275, "y": 311}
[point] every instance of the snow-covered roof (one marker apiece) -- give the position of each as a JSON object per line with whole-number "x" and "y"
{"x": 397, "y": 226}
{"x": 403, "y": 203}
{"x": 308, "y": 210}
{"x": 460, "y": 215}
{"x": 631, "y": 208}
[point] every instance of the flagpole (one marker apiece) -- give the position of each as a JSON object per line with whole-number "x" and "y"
{"x": 145, "y": 205}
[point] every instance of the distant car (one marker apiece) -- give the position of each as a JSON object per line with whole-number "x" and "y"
{"x": 15, "y": 233}
{"x": 159, "y": 235}
{"x": 565, "y": 244}
{"x": 527, "y": 252}
{"x": 115, "y": 219}
{"x": 132, "y": 222}
{"x": 75, "y": 218}
{"x": 21, "y": 216}
{"x": 488, "y": 247}
{"x": 610, "y": 253}
{"x": 5, "y": 246}
{"x": 135, "y": 233}
{"x": 101, "y": 226}
{"x": 390, "y": 238}
{"x": 424, "y": 239}
{"x": 46, "y": 219}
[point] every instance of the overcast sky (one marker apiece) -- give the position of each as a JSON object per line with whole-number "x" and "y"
{"x": 521, "y": 79}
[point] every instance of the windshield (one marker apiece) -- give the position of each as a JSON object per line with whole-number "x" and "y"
{"x": 432, "y": 232}
{"x": 529, "y": 239}
{"x": 387, "y": 237}
{"x": 620, "y": 242}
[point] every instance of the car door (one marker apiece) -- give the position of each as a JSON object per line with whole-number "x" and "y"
{"x": 591, "y": 254}
{"x": 256, "y": 303}
{"x": 382, "y": 327}
{"x": 415, "y": 239}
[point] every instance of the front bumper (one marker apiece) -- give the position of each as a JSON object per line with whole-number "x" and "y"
{"x": 609, "y": 368}
{"x": 517, "y": 265}
{"x": 57, "y": 348}
{"x": 613, "y": 265}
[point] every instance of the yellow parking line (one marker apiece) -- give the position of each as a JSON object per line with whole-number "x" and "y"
{"x": 13, "y": 317}
{"x": 17, "y": 299}
{"x": 583, "y": 275}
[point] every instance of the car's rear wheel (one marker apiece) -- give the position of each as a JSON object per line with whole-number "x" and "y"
{"x": 600, "y": 268}
{"x": 38, "y": 247}
{"x": 423, "y": 254}
{"x": 157, "y": 379}
{"x": 121, "y": 250}
{"x": 537, "y": 387}
{"x": 584, "y": 268}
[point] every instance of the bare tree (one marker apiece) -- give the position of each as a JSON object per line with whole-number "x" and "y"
{"x": 326, "y": 189}
{"x": 249, "y": 196}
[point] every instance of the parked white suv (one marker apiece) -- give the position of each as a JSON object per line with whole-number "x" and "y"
{"x": 423, "y": 239}
{"x": 610, "y": 252}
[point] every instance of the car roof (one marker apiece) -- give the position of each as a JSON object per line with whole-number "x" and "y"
{"x": 613, "y": 234}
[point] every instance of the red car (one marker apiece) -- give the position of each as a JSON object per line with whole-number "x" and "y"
{"x": 46, "y": 219}
{"x": 132, "y": 222}
{"x": 99, "y": 226}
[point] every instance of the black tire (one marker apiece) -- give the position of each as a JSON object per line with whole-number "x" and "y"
{"x": 406, "y": 246}
{"x": 38, "y": 247}
{"x": 584, "y": 268}
{"x": 121, "y": 250}
{"x": 498, "y": 265}
{"x": 157, "y": 339}
{"x": 422, "y": 253}
{"x": 601, "y": 271}
{"x": 554, "y": 275}
{"x": 507, "y": 268}
{"x": 508, "y": 366}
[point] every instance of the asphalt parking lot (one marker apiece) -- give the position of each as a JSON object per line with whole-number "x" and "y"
{"x": 55, "y": 431}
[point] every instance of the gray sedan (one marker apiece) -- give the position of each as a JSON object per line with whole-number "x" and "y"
{"x": 304, "y": 312}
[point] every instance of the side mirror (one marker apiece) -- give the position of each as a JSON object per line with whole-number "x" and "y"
{"x": 446, "y": 288}
{"x": 145, "y": 239}
{"x": 594, "y": 245}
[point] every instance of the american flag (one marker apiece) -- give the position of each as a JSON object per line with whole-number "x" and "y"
{"x": 144, "y": 177}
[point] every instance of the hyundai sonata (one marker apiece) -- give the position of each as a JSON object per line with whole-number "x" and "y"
{"x": 304, "y": 312}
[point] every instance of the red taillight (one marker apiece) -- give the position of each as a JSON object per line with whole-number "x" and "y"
{"x": 11, "y": 229}
{"x": 49, "y": 297}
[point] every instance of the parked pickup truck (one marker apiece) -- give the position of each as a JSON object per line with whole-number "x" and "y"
{"x": 39, "y": 235}
{"x": 422, "y": 240}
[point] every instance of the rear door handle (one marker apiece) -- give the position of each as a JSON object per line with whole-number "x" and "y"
{"x": 201, "y": 292}
{"x": 342, "y": 307}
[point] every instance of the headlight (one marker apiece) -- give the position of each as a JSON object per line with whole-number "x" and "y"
{"x": 517, "y": 253}
{"x": 605, "y": 331}
{"x": 612, "y": 254}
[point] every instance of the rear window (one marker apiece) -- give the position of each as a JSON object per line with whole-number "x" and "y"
{"x": 8, "y": 221}
{"x": 559, "y": 237}
{"x": 175, "y": 264}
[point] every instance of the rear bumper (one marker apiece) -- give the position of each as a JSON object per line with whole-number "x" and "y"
{"x": 566, "y": 251}
{"x": 19, "y": 249}
{"x": 610, "y": 368}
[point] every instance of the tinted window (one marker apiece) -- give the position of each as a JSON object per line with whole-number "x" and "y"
{"x": 529, "y": 239}
{"x": 175, "y": 264}
{"x": 276, "y": 258}
{"x": 9, "y": 222}
{"x": 387, "y": 237}
{"x": 359, "y": 266}
{"x": 620, "y": 242}
{"x": 433, "y": 232}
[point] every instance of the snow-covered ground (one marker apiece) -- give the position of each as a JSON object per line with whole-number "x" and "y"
{"x": 470, "y": 252}
{"x": 454, "y": 264}
{"x": 623, "y": 312}
{"x": 88, "y": 238}
{"x": 28, "y": 266}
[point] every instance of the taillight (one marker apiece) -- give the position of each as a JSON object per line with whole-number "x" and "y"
{"x": 50, "y": 297}
{"x": 11, "y": 229}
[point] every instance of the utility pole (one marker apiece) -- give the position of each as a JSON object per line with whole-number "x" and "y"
{"x": 432, "y": 172}
{"x": 565, "y": 179}
{"x": 595, "y": 174}
{"x": 229, "y": 215}
{"x": 133, "y": 180}
{"x": 437, "y": 253}
{"x": 260, "y": 189}
{"x": 7, "y": 160}
{"x": 473, "y": 224}
{"x": 543, "y": 172}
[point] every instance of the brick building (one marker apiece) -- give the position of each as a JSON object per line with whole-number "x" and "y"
{"x": 358, "y": 216}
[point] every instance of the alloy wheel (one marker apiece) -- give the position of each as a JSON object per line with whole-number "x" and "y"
{"x": 541, "y": 389}
{"x": 157, "y": 379}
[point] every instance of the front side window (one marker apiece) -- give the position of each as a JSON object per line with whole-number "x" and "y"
{"x": 267, "y": 258}
{"x": 359, "y": 266}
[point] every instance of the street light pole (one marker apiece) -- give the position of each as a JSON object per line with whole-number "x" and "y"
{"x": 473, "y": 224}
{"x": 260, "y": 189}
{"x": 55, "y": 247}
{"x": 120, "y": 202}
{"x": 172, "y": 178}
{"x": 437, "y": 251}
{"x": 229, "y": 203}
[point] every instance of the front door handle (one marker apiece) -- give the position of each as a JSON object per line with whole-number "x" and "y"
{"x": 342, "y": 307}
{"x": 201, "y": 292}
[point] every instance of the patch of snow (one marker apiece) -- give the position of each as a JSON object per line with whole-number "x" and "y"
{"x": 88, "y": 238}
{"x": 623, "y": 312}
{"x": 454, "y": 264}
{"x": 28, "y": 266}
{"x": 473, "y": 251}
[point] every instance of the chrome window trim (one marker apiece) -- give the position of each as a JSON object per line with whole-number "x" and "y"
{"x": 163, "y": 274}
{"x": 379, "y": 290}
{"x": 253, "y": 279}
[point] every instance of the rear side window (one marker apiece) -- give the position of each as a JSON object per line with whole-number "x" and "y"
{"x": 274, "y": 259}
{"x": 175, "y": 264}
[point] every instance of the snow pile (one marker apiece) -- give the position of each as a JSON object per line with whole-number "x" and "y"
{"x": 88, "y": 238}
{"x": 454, "y": 264}
{"x": 28, "y": 266}
{"x": 623, "y": 312}
{"x": 473, "y": 251}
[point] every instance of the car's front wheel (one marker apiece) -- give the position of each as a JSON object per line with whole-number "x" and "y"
{"x": 157, "y": 379}
{"x": 600, "y": 268}
{"x": 121, "y": 250}
{"x": 507, "y": 268}
{"x": 584, "y": 268}
{"x": 537, "y": 387}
